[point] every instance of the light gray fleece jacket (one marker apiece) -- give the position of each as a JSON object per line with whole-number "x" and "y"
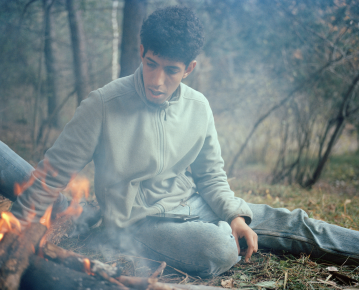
{"x": 141, "y": 152}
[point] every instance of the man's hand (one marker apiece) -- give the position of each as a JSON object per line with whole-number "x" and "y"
{"x": 239, "y": 230}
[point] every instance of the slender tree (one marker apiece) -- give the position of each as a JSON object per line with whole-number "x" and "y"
{"x": 78, "y": 51}
{"x": 50, "y": 61}
{"x": 134, "y": 13}
{"x": 115, "y": 40}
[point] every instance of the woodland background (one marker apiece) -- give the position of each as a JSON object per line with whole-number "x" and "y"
{"x": 281, "y": 75}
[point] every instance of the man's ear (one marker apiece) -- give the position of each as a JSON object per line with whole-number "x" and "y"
{"x": 190, "y": 68}
{"x": 142, "y": 49}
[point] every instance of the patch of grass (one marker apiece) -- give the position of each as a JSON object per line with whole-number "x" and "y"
{"x": 343, "y": 169}
{"x": 342, "y": 210}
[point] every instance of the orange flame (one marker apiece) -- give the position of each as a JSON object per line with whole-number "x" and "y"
{"x": 79, "y": 187}
{"x": 46, "y": 218}
{"x": 11, "y": 221}
{"x": 41, "y": 245}
{"x": 87, "y": 266}
{"x": 8, "y": 223}
{"x": 40, "y": 174}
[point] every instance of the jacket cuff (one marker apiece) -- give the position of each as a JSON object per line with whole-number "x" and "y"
{"x": 247, "y": 219}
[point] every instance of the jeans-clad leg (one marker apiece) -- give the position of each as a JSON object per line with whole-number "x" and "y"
{"x": 207, "y": 247}
{"x": 14, "y": 169}
{"x": 293, "y": 231}
{"x": 204, "y": 247}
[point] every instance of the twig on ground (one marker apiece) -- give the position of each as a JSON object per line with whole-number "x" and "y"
{"x": 159, "y": 270}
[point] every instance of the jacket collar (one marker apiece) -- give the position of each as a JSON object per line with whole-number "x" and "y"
{"x": 140, "y": 89}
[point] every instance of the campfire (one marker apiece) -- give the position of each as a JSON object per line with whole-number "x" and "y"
{"x": 30, "y": 258}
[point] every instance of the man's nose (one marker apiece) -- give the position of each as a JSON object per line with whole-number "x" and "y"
{"x": 158, "y": 77}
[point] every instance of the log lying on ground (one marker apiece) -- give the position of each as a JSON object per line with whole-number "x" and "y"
{"x": 14, "y": 258}
{"x": 76, "y": 261}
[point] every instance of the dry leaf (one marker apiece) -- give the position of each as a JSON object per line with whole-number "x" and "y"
{"x": 227, "y": 283}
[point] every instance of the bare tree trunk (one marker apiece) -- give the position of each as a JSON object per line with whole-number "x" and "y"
{"x": 50, "y": 62}
{"x": 340, "y": 122}
{"x": 78, "y": 51}
{"x": 134, "y": 13}
{"x": 115, "y": 63}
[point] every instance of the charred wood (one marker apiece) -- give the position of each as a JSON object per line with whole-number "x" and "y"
{"x": 44, "y": 275}
{"x": 15, "y": 259}
{"x": 60, "y": 228}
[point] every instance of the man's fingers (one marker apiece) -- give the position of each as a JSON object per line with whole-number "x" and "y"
{"x": 241, "y": 230}
{"x": 252, "y": 242}
{"x": 237, "y": 242}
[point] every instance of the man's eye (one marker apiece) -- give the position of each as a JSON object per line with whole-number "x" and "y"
{"x": 150, "y": 64}
{"x": 171, "y": 71}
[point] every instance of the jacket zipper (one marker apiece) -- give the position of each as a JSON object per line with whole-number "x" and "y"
{"x": 161, "y": 137}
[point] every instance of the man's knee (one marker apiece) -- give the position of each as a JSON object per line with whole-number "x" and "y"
{"x": 220, "y": 255}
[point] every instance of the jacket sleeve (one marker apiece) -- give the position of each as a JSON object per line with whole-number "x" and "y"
{"x": 72, "y": 150}
{"x": 211, "y": 179}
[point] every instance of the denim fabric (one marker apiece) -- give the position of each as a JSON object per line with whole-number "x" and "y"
{"x": 206, "y": 247}
{"x": 14, "y": 169}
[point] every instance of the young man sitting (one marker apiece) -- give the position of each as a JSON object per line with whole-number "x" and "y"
{"x": 143, "y": 132}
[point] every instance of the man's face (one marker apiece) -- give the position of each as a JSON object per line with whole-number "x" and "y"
{"x": 162, "y": 76}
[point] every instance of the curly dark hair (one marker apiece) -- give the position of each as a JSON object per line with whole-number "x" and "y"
{"x": 173, "y": 32}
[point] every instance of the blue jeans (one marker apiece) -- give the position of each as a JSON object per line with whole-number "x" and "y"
{"x": 206, "y": 247}
{"x": 14, "y": 169}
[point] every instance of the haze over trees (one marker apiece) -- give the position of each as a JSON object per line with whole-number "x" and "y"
{"x": 281, "y": 75}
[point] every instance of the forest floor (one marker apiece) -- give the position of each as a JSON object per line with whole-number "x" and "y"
{"x": 335, "y": 199}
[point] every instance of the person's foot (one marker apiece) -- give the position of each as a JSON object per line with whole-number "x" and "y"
{"x": 59, "y": 206}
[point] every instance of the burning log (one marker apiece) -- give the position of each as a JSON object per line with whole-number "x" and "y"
{"x": 77, "y": 262}
{"x": 45, "y": 275}
{"x": 15, "y": 251}
{"x": 60, "y": 228}
{"x": 20, "y": 268}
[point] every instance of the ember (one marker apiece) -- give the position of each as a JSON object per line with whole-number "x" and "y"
{"x": 87, "y": 266}
{"x": 8, "y": 223}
